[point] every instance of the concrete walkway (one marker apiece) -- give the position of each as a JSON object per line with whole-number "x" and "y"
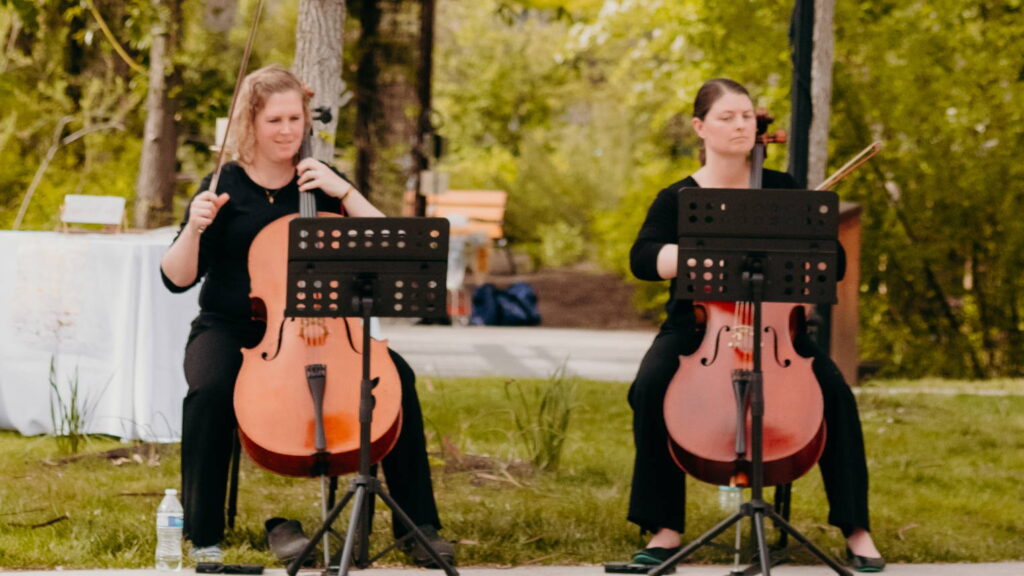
{"x": 994, "y": 569}
{"x": 526, "y": 352}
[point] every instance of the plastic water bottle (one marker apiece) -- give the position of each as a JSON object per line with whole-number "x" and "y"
{"x": 730, "y": 498}
{"x": 170, "y": 518}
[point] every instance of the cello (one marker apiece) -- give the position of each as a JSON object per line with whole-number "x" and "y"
{"x": 297, "y": 395}
{"x": 701, "y": 407}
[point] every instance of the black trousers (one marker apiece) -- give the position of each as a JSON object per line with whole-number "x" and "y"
{"x": 212, "y": 361}
{"x": 658, "y": 495}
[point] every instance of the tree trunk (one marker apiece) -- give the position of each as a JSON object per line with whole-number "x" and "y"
{"x": 318, "y": 56}
{"x": 821, "y": 90}
{"x": 425, "y": 137}
{"x": 802, "y": 47}
{"x": 158, "y": 165}
{"x": 74, "y": 54}
{"x": 388, "y": 105}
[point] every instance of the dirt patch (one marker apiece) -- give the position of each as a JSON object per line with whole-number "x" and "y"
{"x": 581, "y": 297}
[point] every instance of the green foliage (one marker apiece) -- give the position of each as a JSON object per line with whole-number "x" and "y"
{"x": 940, "y": 84}
{"x": 59, "y": 67}
{"x": 69, "y": 413}
{"x": 560, "y": 244}
{"x": 542, "y": 415}
{"x": 941, "y": 247}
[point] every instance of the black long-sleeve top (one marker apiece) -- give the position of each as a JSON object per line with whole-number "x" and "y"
{"x": 661, "y": 227}
{"x": 224, "y": 245}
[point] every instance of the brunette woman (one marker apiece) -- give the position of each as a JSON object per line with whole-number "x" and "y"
{"x": 724, "y": 119}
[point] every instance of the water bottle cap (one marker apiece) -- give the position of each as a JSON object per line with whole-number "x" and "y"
{"x": 171, "y": 492}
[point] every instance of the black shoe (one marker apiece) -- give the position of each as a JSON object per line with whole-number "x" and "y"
{"x": 285, "y": 538}
{"x": 419, "y": 555}
{"x": 864, "y": 563}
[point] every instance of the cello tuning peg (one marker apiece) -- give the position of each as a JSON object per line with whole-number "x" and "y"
{"x": 322, "y": 114}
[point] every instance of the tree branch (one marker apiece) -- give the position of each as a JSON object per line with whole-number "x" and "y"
{"x": 113, "y": 41}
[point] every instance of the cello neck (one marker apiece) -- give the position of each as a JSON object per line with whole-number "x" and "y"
{"x": 757, "y": 166}
{"x": 761, "y": 142}
{"x": 307, "y": 201}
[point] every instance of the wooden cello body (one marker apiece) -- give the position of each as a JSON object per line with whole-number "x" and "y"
{"x": 273, "y": 403}
{"x": 701, "y": 406}
{"x": 706, "y": 411}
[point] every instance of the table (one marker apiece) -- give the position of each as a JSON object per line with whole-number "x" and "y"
{"x": 94, "y": 308}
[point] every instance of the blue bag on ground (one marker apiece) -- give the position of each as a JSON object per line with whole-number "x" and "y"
{"x": 519, "y": 305}
{"x": 485, "y": 306}
{"x": 516, "y": 306}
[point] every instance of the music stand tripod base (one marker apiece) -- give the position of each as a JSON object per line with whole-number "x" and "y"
{"x": 365, "y": 267}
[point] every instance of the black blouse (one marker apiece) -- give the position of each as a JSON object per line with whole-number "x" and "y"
{"x": 224, "y": 245}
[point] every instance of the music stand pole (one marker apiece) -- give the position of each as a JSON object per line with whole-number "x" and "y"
{"x": 717, "y": 247}
{"x": 756, "y": 509}
{"x": 365, "y": 485}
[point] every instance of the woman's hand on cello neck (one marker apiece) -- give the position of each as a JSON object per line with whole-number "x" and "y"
{"x": 315, "y": 174}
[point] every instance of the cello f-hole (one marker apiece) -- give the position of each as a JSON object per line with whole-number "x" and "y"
{"x": 771, "y": 331}
{"x": 718, "y": 343}
{"x": 277, "y": 349}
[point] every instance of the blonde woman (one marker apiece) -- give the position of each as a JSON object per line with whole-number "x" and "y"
{"x": 260, "y": 186}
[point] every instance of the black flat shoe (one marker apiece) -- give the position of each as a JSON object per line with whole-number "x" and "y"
{"x": 286, "y": 538}
{"x": 865, "y": 563}
{"x": 420, "y": 556}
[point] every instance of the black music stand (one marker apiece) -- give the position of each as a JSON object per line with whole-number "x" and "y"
{"x": 363, "y": 267}
{"x": 756, "y": 246}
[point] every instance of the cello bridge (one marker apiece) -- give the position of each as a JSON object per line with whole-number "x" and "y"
{"x": 314, "y": 331}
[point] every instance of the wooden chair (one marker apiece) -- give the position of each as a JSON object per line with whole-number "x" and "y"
{"x": 477, "y": 224}
{"x": 236, "y": 463}
{"x": 475, "y": 213}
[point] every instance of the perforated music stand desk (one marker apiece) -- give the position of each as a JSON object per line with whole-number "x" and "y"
{"x": 791, "y": 233}
{"x": 401, "y": 263}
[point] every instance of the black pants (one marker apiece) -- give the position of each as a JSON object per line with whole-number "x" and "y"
{"x": 212, "y": 362}
{"x": 658, "y": 496}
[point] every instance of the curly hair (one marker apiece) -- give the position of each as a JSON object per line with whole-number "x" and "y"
{"x": 256, "y": 89}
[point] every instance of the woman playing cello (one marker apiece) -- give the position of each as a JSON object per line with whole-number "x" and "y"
{"x": 272, "y": 118}
{"x": 724, "y": 119}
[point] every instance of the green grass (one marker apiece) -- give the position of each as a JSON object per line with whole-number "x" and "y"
{"x": 946, "y": 485}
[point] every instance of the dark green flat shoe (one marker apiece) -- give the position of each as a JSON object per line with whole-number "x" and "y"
{"x": 643, "y": 561}
{"x": 654, "y": 556}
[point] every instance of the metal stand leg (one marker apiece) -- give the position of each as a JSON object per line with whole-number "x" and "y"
{"x": 363, "y": 488}
{"x": 749, "y": 391}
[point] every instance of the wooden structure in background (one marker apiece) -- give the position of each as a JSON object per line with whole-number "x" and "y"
{"x": 844, "y": 326}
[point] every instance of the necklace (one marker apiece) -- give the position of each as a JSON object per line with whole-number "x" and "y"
{"x": 271, "y": 194}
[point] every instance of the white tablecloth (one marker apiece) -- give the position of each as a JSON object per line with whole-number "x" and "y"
{"x": 94, "y": 306}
